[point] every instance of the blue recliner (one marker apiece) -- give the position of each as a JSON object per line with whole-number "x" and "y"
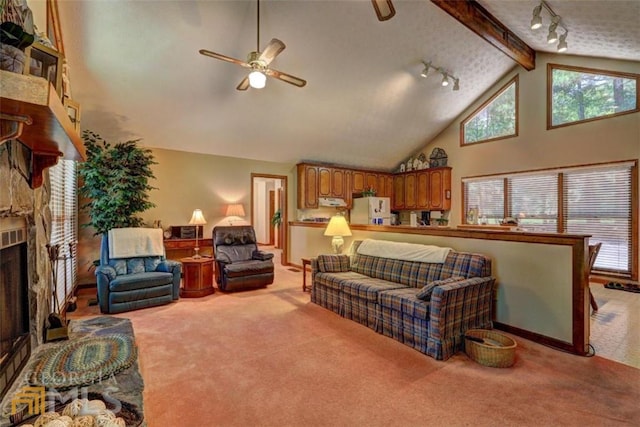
{"x": 126, "y": 284}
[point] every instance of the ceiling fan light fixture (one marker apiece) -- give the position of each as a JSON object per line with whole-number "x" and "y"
{"x": 257, "y": 79}
{"x": 456, "y": 85}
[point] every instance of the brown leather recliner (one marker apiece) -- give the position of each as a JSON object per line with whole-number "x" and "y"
{"x": 239, "y": 263}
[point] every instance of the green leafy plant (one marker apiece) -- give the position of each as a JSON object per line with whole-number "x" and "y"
{"x": 276, "y": 219}
{"x": 115, "y": 180}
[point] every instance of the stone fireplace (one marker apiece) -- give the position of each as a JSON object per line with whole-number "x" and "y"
{"x": 25, "y": 275}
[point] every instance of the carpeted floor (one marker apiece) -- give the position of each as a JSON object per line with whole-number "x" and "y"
{"x": 271, "y": 358}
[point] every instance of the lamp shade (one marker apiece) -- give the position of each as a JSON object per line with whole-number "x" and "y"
{"x": 235, "y": 210}
{"x": 197, "y": 218}
{"x": 337, "y": 227}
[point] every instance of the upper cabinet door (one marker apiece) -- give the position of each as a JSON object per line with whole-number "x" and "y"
{"x": 324, "y": 186}
{"x": 422, "y": 190}
{"x": 338, "y": 183}
{"x": 440, "y": 189}
{"x": 371, "y": 181}
{"x": 357, "y": 181}
{"x": 398, "y": 192}
{"x": 307, "y": 186}
{"x": 410, "y": 191}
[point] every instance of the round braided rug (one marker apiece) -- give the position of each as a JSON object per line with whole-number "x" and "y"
{"x": 84, "y": 361}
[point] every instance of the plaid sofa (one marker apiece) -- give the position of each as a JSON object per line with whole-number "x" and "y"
{"x": 426, "y": 306}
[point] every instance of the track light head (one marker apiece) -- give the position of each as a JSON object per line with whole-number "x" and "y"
{"x": 425, "y": 72}
{"x": 456, "y": 84}
{"x": 552, "y": 37}
{"x": 445, "y": 80}
{"x": 536, "y": 21}
{"x": 562, "y": 44}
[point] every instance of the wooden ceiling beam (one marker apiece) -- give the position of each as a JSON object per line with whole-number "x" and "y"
{"x": 480, "y": 21}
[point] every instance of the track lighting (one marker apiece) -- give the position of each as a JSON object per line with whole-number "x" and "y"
{"x": 556, "y": 21}
{"x": 536, "y": 21}
{"x": 562, "y": 44}
{"x": 552, "y": 37}
{"x": 425, "y": 72}
{"x": 445, "y": 82}
{"x": 445, "y": 76}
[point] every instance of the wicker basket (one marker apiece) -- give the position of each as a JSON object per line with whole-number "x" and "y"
{"x": 495, "y": 356}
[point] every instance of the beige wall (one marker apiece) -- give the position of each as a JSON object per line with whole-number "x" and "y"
{"x": 536, "y": 147}
{"x": 187, "y": 181}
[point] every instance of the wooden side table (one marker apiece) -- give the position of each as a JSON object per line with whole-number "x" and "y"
{"x": 197, "y": 277}
{"x": 305, "y": 262}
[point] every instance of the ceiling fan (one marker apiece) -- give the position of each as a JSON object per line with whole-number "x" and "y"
{"x": 259, "y": 62}
{"x": 384, "y": 9}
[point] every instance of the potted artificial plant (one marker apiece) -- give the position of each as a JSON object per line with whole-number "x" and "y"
{"x": 115, "y": 182}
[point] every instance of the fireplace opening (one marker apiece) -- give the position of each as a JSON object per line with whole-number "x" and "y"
{"x": 15, "y": 342}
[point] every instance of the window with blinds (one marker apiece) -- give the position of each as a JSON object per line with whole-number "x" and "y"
{"x": 597, "y": 200}
{"x": 64, "y": 225}
{"x": 487, "y": 196}
{"x": 533, "y": 200}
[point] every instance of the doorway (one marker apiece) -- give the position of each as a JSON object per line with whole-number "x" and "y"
{"x": 269, "y": 200}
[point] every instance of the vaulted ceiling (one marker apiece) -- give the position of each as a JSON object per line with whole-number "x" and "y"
{"x": 137, "y": 73}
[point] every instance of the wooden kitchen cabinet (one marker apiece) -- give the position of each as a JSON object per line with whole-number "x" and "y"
{"x": 324, "y": 182}
{"x": 385, "y": 185}
{"x": 371, "y": 179}
{"x": 440, "y": 189}
{"x": 398, "y": 192}
{"x": 307, "y": 186}
{"x": 358, "y": 181}
{"x": 422, "y": 190}
{"x": 410, "y": 191}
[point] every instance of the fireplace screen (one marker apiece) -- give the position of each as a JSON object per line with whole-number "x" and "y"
{"x": 14, "y": 311}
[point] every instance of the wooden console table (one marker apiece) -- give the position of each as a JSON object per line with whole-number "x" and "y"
{"x": 197, "y": 277}
{"x": 182, "y": 248}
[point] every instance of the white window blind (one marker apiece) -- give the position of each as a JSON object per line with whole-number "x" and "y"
{"x": 533, "y": 200}
{"x": 487, "y": 196}
{"x": 598, "y": 202}
{"x": 64, "y": 224}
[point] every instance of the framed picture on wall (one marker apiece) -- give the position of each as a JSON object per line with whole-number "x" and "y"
{"x": 73, "y": 111}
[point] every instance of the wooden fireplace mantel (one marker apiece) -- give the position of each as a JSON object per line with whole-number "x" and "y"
{"x": 31, "y": 111}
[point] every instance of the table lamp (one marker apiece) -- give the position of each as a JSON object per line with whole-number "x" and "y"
{"x": 337, "y": 228}
{"x": 197, "y": 219}
{"x": 235, "y": 210}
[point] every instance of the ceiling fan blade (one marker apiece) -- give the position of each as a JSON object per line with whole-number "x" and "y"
{"x": 288, "y": 78}
{"x": 384, "y": 9}
{"x": 224, "y": 58}
{"x": 272, "y": 50}
{"x": 244, "y": 84}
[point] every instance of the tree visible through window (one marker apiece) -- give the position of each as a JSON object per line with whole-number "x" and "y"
{"x": 580, "y": 94}
{"x": 495, "y": 119}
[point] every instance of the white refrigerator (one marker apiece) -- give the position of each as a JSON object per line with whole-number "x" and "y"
{"x": 371, "y": 210}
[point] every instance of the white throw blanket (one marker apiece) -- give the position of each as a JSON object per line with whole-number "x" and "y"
{"x": 403, "y": 251}
{"x": 135, "y": 242}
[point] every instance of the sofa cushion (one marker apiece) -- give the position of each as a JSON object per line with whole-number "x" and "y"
{"x": 333, "y": 263}
{"x": 334, "y": 280}
{"x": 247, "y": 268}
{"x": 129, "y": 282}
{"x": 467, "y": 265}
{"x": 407, "y": 273}
{"x": 427, "y": 290}
{"x": 367, "y": 288}
{"x": 404, "y": 300}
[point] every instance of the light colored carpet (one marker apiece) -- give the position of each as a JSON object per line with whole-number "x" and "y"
{"x": 272, "y": 358}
